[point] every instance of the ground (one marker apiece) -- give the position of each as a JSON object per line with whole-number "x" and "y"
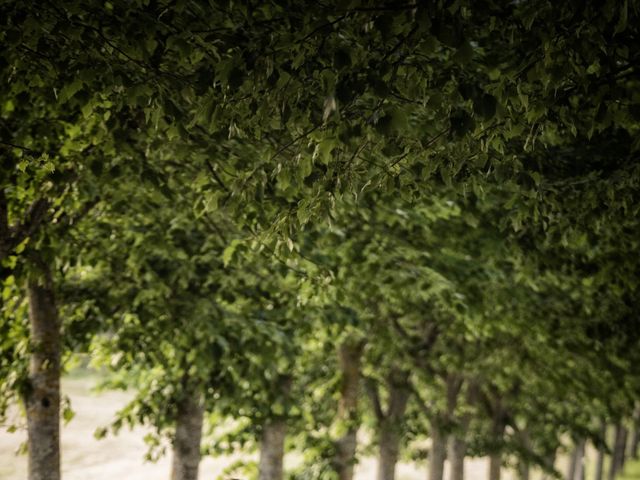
{"x": 122, "y": 457}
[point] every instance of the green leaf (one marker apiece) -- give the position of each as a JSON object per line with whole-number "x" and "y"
{"x": 227, "y": 254}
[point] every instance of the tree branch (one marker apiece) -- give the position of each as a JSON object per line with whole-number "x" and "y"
{"x": 427, "y": 408}
{"x": 67, "y": 221}
{"x": 372, "y": 391}
{"x": 216, "y": 177}
{"x": 20, "y": 147}
{"x": 4, "y": 218}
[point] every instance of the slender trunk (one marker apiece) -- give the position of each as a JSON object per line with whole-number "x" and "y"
{"x": 458, "y": 444}
{"x": 618, "y": 453}
{"x": 497, "y": 433}
{"x": 390, "y": 425}
{"x": 622, "y": 458}
{"x": 601, "y": 450}
{"x": 349, "y": 355}
{"x": 186, "y": 444}
{"x": 272, "y": 449}
{"x": 549, "y": 464}
{"x": 580, "y": 467}
{"x": 635, "y": 434}
{"x": 458, "y": 447}
{"x": 438, "y": 452}
{"x": 274, "y": 433}
{"x": 495, "y": 466}
{"x": 458, "y": 451}
{"x": 634, "y": 440}
{"x": 523, "y": 464}
{"x": 613, "y": 464}
{"x": 42, "y": 399}
{"x": 573, "y": 462}
{"x": 389, "y": 447}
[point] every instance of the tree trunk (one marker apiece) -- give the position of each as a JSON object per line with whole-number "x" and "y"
{"x": 389, "y": 424}
{"x": 389, "y": 447}
{"x": 575, "y": 460}
{"x": 524, "y": 469}
{"x": 186, "y": 444}
{"x": 438, "y": 452}
{"x": 549, "y": 464}
{"x": 617, "y": 456}
{"x": 633, "y": 442}
{"x": 622, "y": 458}
{"x": 458, "y": 451}
{"x": 272, "y": 449}
{"x": 580, "y": 466}
{"x": 497, "y": 433}
{"x": 274, "y": 433}
{"x": 42, "y": 399}
{"x": 495, "y": 465}
{"x": 349, "y": 354}
{"x": 634, "y": 439}
{"x": 458, "y": 447}
{"x": 601, "y": 450}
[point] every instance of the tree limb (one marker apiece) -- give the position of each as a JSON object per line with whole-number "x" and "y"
{"x": 372, "y": 391}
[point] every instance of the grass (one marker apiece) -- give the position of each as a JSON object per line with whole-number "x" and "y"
{"x": 631, "y": 470}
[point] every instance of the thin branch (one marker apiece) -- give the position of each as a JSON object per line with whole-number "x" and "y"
{"x": 68, "y": 221}
{"x": 294, "y": 141}
{"x": 4, "y": 217}
{"x": 426, "y": 407}
{"x": 216, "y": 176}
{"x": 322, "y": 27}
{"x": 20, "y": 147}
{"x": 385, "y": 8}
{"x": 215, "y": 227}
{"x": 33, "y": 218}
{"x": 372, "y": 391}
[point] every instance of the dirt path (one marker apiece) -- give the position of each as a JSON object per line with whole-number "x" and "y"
{"x": 121, "y": 457}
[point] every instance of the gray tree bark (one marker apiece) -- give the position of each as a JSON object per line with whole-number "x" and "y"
{"x": 388, "y": 451}
{"x": 495, "y": 466}
{"x": 622, "y": 458}
{"x": 549, "y": 464}
{"x": 601, "y": 449}
{"x": 634, "y": 441}
{"x": 617, "y": 457}
{"x": 186, "y": 443}
{"x": 389, "y": 424}
{"x": 349, "y": 354}
{"x": 458, "y": 452}
{"x": 576, "y": 468}
{"x": 274, "y": 433}
{"x": 272, "y": 449}
{"x": 458, "y": 447}
{"x": 524, "y": 469}
{"x": 438, "y": 452}
{"x": 42, "y": 399}
{"x": 497, "y": 433}
{"x": 635, "y": 434}
{"x": 580, "y": 466}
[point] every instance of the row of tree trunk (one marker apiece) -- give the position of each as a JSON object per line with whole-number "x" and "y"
{"x": 42, "y": 402}
{"x": 622, "y": 446}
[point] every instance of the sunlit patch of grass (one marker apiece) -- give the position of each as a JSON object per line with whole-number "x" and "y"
{"x": 631, "y": 471}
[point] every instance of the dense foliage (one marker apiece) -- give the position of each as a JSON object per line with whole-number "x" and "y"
{"x": 267, "y": 210}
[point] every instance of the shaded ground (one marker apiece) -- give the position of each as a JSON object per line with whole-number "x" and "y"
{"x": 122, "y": 457}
